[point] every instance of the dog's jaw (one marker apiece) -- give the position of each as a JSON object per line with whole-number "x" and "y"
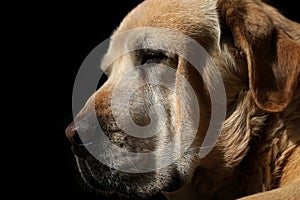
{"x": 110, "y": 182}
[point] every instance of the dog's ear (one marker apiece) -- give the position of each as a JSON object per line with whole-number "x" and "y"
{"x": 273, "y": 57}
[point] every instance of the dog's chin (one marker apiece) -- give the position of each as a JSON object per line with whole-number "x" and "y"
{"x": 114, "y": 184}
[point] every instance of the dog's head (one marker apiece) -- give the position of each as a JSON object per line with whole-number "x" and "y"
{"x": 147, "y": 122}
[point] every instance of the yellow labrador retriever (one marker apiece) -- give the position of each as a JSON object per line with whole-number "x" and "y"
{"x": 257, "y": 152}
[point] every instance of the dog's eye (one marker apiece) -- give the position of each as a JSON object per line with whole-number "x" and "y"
{"x": 153, "y": 57}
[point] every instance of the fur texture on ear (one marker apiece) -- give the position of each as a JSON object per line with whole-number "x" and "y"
{"x": 273, "y": 56}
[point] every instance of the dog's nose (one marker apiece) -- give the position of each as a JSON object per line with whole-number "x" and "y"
{"x": 83, "y": 130}
{"x": 72, "y": 134}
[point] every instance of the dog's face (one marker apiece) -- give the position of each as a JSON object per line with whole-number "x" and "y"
{"x": 138, "y": 115}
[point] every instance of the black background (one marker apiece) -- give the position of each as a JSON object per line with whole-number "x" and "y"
{"x": 74, "y": 30}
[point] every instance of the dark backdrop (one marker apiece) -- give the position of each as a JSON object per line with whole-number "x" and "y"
{"x": 75, "y": 29}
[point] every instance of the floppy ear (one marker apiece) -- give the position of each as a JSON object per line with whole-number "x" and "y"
{"x": 273, "y": 57}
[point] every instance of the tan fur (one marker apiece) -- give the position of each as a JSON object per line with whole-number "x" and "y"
{"x": 257, "y": 51}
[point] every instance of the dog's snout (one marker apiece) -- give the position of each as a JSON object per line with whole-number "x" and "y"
{"x": 83, "y": 130}
{"x": 72, "y": 134}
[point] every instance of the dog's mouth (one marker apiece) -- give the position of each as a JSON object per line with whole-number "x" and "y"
{"x": 110, "y": 183}
{"x": 90, "y": 184}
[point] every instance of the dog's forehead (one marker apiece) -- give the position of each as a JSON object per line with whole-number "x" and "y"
{"x": 192, "y": 17}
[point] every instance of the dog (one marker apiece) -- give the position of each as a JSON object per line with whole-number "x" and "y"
{"x": 256, "y": 154}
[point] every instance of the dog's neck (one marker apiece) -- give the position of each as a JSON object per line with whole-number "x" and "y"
{"x": 250, "y": 136}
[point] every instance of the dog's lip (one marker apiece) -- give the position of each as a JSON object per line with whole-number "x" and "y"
{"x": 93, "y": 185}
{"x": 81, "y": 150}
{"x": 83, "y": 155}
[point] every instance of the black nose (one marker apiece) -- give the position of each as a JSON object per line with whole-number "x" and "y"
{"x": 72, "y": 134}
